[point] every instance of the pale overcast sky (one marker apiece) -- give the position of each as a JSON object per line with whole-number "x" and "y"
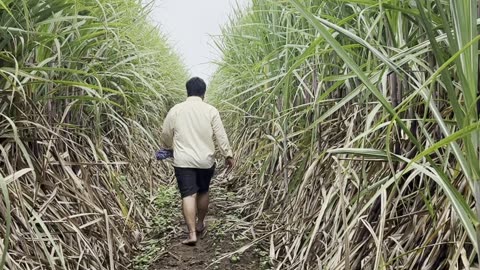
{"x": 189, "y": 25}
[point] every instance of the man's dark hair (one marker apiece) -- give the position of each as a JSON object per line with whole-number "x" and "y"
{"x": 196, "y": 87}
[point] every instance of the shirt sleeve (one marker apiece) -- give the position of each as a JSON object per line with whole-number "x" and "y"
{"x": 166, "y": 136}
{"x": 221, "y": 135}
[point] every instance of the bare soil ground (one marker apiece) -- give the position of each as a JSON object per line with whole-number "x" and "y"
{"x": 215, "y": 248}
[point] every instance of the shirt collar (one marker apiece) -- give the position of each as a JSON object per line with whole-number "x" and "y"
{"x": 194, "y": 98}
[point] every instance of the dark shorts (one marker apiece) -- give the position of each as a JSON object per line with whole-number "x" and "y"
{"x": 191, "y": 181}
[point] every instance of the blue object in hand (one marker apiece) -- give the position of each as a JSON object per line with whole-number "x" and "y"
{"x": 164, "y": 154}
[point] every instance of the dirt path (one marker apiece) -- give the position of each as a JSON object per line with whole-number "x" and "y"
{"x": 225, "y": 235}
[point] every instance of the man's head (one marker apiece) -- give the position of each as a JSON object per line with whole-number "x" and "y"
{"x": 196, "y": 87}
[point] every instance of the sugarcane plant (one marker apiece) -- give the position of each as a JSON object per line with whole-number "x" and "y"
{"x": 357, "y": 123}
{"x": 83, "y": 88}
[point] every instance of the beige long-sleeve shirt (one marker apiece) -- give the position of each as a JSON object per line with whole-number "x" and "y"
{"x": 189, "y": 130}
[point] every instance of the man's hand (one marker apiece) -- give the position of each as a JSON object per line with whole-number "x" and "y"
{"x": 229, "y": 163}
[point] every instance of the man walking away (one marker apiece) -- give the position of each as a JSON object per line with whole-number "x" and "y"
{"x": 189, "y": 130}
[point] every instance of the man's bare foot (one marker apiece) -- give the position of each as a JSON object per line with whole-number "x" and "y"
{"x": 191, "y": 241}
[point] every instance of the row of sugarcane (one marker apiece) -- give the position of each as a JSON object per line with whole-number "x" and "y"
{"x": 357, "y": 126}
{"x": 83, "y": 88}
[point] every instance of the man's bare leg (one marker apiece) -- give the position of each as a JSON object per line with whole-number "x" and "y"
{"x": 189, "y": 205}
{"x": 202, "y": 206}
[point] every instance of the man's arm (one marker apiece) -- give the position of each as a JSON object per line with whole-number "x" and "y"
{"x": 166, "y": 137}
{"x": 222, "y": 138}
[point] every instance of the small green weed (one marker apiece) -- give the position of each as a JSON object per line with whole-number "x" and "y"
{"x": 166, "y": 203}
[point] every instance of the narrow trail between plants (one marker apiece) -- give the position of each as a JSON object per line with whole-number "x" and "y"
{"x": 218, "y": 247}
